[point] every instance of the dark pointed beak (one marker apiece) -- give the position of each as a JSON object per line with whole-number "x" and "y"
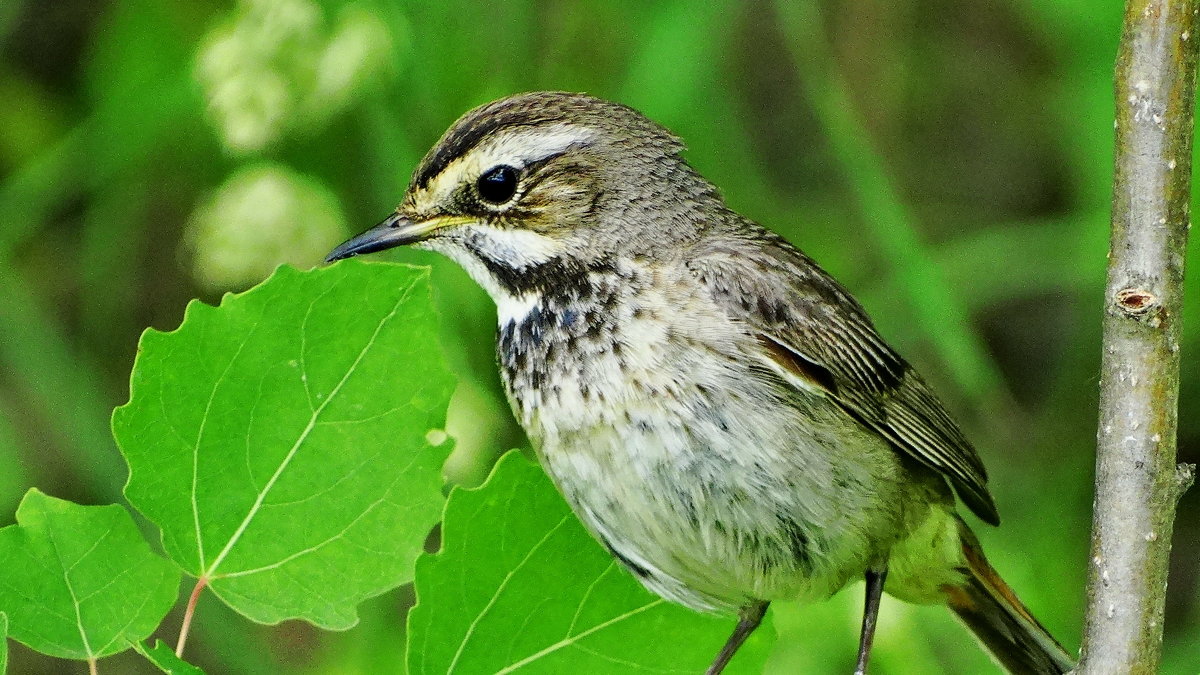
{"x": 396, "y": 230}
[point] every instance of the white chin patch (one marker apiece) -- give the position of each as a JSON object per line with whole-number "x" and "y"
{"x": 515, "y": 249}
{"x": 518, "y": 249}
{"x": 514, "y": 308}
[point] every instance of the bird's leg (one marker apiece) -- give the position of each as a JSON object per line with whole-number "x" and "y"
{"x": 748, "y": 619}
{"x": 875, "y": 579}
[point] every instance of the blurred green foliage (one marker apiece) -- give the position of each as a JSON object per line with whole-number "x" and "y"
{"x": 949, "y": 160}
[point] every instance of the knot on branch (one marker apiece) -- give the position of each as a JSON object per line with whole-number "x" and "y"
{"x": 1136, "y": 302}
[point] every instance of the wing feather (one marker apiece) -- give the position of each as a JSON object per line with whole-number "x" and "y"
{"x": 817, "y": 330}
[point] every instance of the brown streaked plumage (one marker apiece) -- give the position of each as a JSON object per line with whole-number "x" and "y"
{"x": 720, "y": 413}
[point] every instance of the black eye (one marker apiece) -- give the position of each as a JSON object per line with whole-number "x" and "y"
{"x": 498, "y": 184}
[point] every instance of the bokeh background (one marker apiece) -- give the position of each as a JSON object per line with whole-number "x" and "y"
{"x": 948, "y": 160}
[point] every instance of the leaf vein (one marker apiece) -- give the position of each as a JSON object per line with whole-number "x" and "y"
{"x": 87, "y": 648}
{"x": 633, "y": 665}
{"x": 500, "y": 589}
{"x": 212, "y": 395}
{"x": 572, "y": 641}
{"x": 291, "y": 454}
{"x": 587, "y": 595}
{"x": 311, "y": 549}
{"x": 133, "y": 616}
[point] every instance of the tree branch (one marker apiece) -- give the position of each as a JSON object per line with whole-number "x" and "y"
{"x": 1136, "y": 477}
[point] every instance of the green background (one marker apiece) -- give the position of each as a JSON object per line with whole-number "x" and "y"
{"x": 948, "y": 160}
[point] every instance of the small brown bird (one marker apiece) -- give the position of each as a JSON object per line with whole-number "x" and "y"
{"x": 718, "y": 411}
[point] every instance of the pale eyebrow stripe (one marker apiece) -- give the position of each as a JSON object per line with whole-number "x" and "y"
{"x": 531, "y": 146}
{"x": 520, "y": 149}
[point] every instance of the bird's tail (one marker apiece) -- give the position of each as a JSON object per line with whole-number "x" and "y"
{"x": 1001, "y": 622}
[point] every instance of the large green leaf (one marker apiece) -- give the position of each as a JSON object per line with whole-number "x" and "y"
{"x": 520, "y": 586}
{"x": 279, "y": 440}
{"x": 79, "y": 582}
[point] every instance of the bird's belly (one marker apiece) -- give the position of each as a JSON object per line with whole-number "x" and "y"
{"x": 715, "y": 491}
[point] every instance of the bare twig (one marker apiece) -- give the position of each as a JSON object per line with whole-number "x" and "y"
{"x": 1136, "y": 484}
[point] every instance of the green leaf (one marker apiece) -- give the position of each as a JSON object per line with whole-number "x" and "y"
{"x": 80, "y": 582}
{"x": 3, "y": 643}
{"x": 164, "y": 657}
{"x": 520, "y": 585}
{"x": 279, "y": 440}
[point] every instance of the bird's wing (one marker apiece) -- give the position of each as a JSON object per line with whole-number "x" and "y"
{"x": 812, "y": 327}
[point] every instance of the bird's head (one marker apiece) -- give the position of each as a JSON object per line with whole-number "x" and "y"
{"x": 524, "y": 191}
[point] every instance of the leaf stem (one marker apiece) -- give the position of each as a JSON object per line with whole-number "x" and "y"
{"x": 187, "y": 615}
{"x": 92, "y": 666}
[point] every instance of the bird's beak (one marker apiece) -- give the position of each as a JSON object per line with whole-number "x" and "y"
{"x": 396, "y": 230}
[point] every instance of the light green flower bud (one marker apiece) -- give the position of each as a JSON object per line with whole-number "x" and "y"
{"x": 358, "y": 52}
{"x": 255, "y": 68}
{"x": 274, "y": 67}
{"x": 264, "y": 215}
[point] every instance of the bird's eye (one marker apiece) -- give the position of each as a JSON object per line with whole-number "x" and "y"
{"x": 498, "y": 184}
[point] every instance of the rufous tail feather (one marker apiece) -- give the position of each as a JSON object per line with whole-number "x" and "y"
{"x": 1001, "y": 621}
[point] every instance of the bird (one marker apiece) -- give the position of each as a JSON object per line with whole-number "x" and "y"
{"x": 718, "y": 411}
